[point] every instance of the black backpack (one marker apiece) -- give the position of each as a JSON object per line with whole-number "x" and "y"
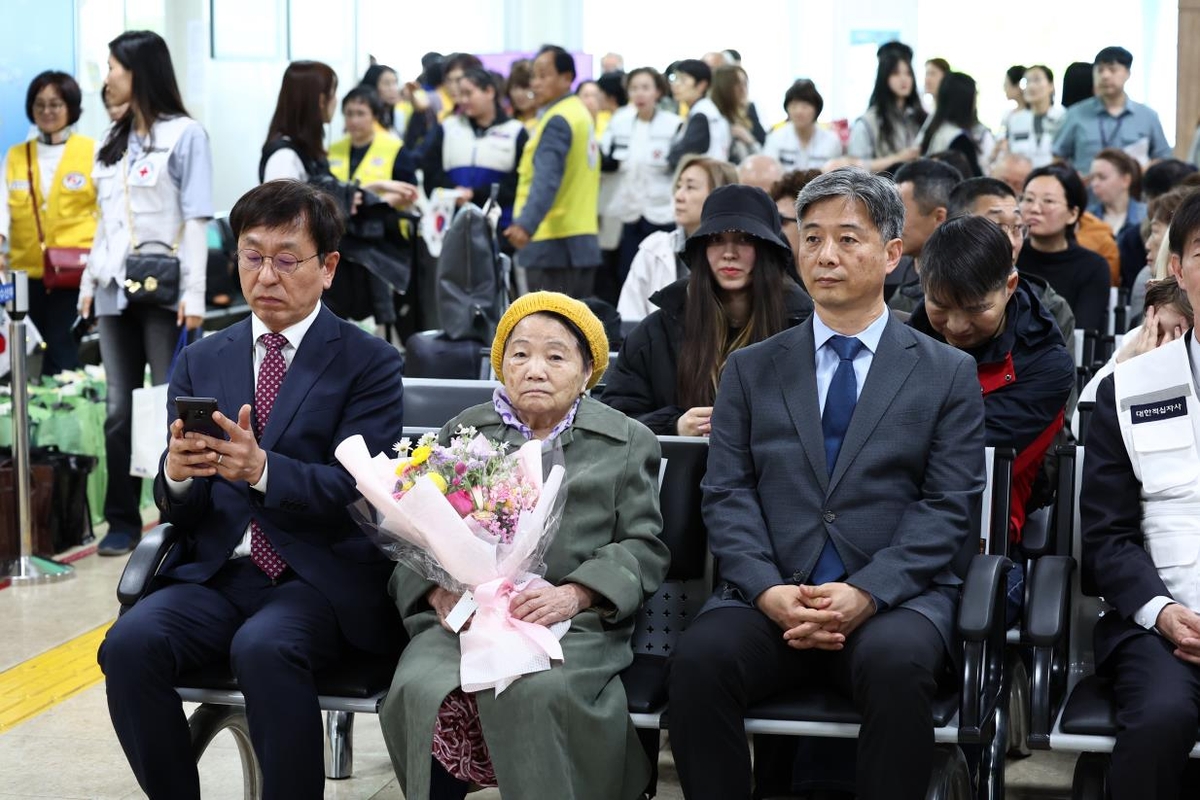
{"x": 472, "y": 275}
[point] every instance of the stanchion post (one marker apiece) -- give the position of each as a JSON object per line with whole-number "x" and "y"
{"x": 29, "y": 569}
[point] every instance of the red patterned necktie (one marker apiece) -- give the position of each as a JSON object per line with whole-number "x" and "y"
{"x": 270, "y": 377}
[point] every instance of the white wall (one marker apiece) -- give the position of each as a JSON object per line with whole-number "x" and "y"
{"x": 779, "y": 39}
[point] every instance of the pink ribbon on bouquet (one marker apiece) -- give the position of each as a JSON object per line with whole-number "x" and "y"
{"x": 497, "y": 648}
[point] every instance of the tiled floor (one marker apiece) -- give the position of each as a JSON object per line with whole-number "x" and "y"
{"x": 70, "y": 750}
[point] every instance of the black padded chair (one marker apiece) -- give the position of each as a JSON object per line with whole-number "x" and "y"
{"x": 432, "y": 402}
{"x": 1071, "y": 708}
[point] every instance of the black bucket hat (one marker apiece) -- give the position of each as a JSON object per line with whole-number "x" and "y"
{"x": 746, "y": 209}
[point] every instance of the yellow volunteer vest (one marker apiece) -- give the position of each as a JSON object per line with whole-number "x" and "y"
{"x": 382, "y": 131}
{"x": 574, "y": 212}
{"x": 375, "y": 166}
{"x": 68, "y": 214}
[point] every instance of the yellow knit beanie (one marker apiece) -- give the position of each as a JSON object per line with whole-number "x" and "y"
{"x": 556, "y": 303}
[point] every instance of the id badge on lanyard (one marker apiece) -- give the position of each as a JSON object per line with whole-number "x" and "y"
{"x": 1104, "y": 139}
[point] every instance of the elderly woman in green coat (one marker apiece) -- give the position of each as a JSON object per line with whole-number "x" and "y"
{"x": 565, "y": 732}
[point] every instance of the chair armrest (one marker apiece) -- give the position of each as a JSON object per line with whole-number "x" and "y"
{"x": 1036, "y": 540}
{"x": 143, "y": 563}
{"x": 982, "y": 606}
{"x": 981, "y": 625}
{"x": 1049, "y": 600}
{"x": 1047, "y": 621}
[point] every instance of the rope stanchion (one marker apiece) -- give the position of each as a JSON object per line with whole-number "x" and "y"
{"x": 28, "y": 568}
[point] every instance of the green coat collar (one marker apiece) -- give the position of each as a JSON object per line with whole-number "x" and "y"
{"x": 592, "y": 416}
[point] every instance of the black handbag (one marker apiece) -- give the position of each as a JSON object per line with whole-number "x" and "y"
{"x": 152, "y": 278}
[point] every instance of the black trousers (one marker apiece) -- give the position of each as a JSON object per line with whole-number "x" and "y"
{"x": 141, "y": 335}
{"x": 731, "y": 658}
{"x": 53, "y": 312}
{"x": 273, "y": 636}
{"x": 1158, "y": 707}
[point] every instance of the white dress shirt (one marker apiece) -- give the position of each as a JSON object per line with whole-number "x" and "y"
{"x": 827, "y": 357}
{"x": 295, "y": 335}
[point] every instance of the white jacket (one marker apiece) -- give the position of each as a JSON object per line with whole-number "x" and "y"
{"x": 1159, "y": 415}
{"x": 654, "y": 267}
{"x": 154, "y": 206}
{"x": 642, "y": 185}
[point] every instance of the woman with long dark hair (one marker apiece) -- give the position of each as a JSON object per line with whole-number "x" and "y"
{"x": 741, "y": 290}
{"x": 731, "y": 95}
{"x": 1053, "y": 201}
{"x": 887, "y": 132}
{"x": 153, "y": 178}
{"x": 295, "y": 146}
{"x": 955, "y": 123}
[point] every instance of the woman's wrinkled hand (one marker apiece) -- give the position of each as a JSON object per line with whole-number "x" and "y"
{"x": 443, "y": 601}
{"x": 551, "y": 604}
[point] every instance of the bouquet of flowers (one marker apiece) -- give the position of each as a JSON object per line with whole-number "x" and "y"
{"x": 476, "y": 519}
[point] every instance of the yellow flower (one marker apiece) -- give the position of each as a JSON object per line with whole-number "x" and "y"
{"x": 438, "y": 481}
{"x": 406, "y": 486}
{"x": 421, "y": 455}
{"x": 403, "y": 467}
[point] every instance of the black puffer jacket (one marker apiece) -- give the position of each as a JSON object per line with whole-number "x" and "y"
{"x": 642, "y": 382}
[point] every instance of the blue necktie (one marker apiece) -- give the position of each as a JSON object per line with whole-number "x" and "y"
{"x": 839, "y": 408}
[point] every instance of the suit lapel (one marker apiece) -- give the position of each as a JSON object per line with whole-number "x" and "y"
{"x": 796, "y": 367}
{"x": 890, "y": 367}
{"x": 311, "y": 360}
{"x": 237, "y": 382}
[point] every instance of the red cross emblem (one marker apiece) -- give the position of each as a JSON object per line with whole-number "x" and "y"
{"x": 144, "y": 171}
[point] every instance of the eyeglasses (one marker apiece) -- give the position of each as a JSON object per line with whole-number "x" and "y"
{"x": 1014, "y": 231}
{"x": 1046, "y": 203}
{"x": 54, "y": 106}
{"x": 284, "y": 263}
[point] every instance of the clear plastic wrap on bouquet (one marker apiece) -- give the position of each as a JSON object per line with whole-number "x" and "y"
{"x": 490, "y": 538}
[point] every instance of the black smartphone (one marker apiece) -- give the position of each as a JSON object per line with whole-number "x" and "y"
{"x": 196, "y": 413}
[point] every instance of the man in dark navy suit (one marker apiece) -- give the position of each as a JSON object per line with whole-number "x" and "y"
{"x": 271, "y": 574}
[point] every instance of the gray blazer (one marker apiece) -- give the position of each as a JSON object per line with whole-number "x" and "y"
{"x": 903, "y": 503}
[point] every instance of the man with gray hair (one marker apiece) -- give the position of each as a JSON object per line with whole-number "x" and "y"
{"x": 840, "y": 518}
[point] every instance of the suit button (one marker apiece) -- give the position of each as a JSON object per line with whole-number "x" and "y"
{"x": 829, "y": 516}
{"x": 796, "y": 576}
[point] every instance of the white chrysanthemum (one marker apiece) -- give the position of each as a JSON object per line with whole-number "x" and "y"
{"x": 403, "y": 446}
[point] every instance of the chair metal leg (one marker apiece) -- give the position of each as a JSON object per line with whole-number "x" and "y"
{"x": 209, "y": 720}
{"x": 651, "y": 741}
{"x": 991, "y": 767}
{"x": 950, "y": 778}
{"x": 1018, "y": 707}
{"x": 339, "y": 744}
{"x": 1091, "y": 777}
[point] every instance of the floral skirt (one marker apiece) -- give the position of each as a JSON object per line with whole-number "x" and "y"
{"x": 458, "y": 743}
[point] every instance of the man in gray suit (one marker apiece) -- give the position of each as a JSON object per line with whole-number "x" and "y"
{"x": 840, "y": 519}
